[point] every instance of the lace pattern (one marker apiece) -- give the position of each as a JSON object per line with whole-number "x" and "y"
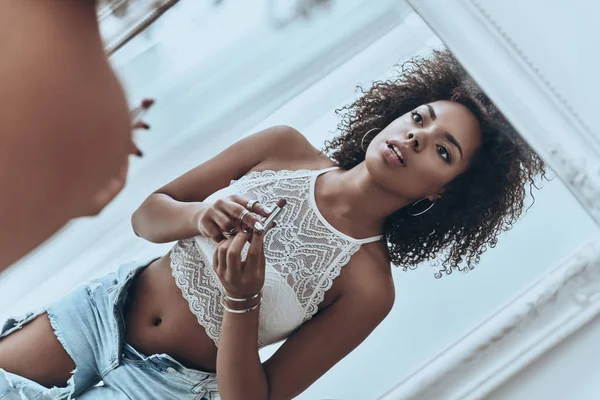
{"x": 199, "y": 287}
{"x": 301, "y": 251}
{"x": 301, "y": 248}
{"x": 327, "y": 281}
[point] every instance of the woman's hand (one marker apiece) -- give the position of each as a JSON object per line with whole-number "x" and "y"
{"x": 114, "y": 186}
{"x": 218, "y": 219}
{"x": 241, "y": 279}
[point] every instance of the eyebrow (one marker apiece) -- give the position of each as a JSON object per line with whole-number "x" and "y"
{"x": 431, "y": 112}
{"x": 449, "y": 136}
{"x": 453, "y": 140}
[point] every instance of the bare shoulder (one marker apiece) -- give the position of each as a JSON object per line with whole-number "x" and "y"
{"x": 287, "y": 135}
{"x": 290, "y": 141}
{"x": 370, "y": 279}
{"x": 290, "y": 149}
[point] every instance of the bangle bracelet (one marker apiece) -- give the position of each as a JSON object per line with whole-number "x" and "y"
{"x": 245, "y": 299}
{"x": 240, "y": 311}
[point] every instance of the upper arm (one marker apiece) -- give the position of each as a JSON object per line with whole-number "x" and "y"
{"x": 232, "y": 163}
{"x": 325, "y": 339}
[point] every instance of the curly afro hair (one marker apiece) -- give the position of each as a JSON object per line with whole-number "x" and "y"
{"x": 478, "y": 205}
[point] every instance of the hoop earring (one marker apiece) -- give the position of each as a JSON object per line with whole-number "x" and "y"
{"x": 362, "y": 142}
{"x": 413, "y": 214}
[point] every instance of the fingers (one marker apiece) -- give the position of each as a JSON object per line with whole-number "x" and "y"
{"x": 234, "y": 210}
{"x": 138, "y": 111}
{"x": 213, "y": 223}
{"x": 224, "y": 214}
{"x": 140, "y": 125}
{"x": 216, "y": 265}
{"x": 221, "y": 254}
{"x": 248, "y": 219}
{"x": 257, "y": 207}
{"x": 256, "y": 255}
{"x": 240, "y": 279}
{"x": 234, "y": 255}
{"x": 137, "y": 123}
{"x": 227, "y": 258}
{"x": 260, "y": 210}
{"x": 134, "y": 149}
{"x": 223, "y": 221}
{"x": 212, "y": 230}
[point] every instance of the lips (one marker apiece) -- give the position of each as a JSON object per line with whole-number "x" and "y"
{"x": 394, "y": 152}
{"x": 393, "y": 155}
{"x": 397, "y": 152}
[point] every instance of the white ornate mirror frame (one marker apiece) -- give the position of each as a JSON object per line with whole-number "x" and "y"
{"x": 551, "y": 104}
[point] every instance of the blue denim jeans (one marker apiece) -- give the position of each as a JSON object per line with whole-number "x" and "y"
{"x": 90, "y": 325}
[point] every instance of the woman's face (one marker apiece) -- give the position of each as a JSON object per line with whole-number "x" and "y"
{"x": 419, "y": 153}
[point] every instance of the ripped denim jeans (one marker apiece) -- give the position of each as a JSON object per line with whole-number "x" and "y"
{"x": 90, "y": 325}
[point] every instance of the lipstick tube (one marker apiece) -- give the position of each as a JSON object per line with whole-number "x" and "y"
{"x": 262, "y": 227}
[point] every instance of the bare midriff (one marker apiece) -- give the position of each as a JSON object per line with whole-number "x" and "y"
{"x": 159, "y": 320}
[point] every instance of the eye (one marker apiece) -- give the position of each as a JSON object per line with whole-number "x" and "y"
{"x": 444, "y": 153}
{"x": 416, "y": 117}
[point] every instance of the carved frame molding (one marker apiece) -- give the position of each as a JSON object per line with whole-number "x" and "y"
{"x": 568, "y": 296}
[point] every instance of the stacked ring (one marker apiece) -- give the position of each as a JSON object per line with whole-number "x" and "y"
{"x": 242, "y": 215}
{"x": 231, "y": 233}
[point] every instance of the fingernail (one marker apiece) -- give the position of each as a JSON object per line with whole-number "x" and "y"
{"x": 147, "y": 103}
{"x": 145, "y": 126}
{"x": 139, "y": 153}
{"x": 258, "y": 226}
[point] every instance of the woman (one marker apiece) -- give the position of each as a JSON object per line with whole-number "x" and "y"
{"x": 65, "y": 129}
{"x": 425, "y": 161}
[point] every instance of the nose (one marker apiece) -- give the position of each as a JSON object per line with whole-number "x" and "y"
{"x": 416, "y": 141}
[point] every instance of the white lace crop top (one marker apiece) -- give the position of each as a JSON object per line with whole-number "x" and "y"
{"x": 303, "y": 255}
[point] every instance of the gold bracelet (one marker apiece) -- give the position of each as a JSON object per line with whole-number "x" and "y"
{"x": 254, "y": 307}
